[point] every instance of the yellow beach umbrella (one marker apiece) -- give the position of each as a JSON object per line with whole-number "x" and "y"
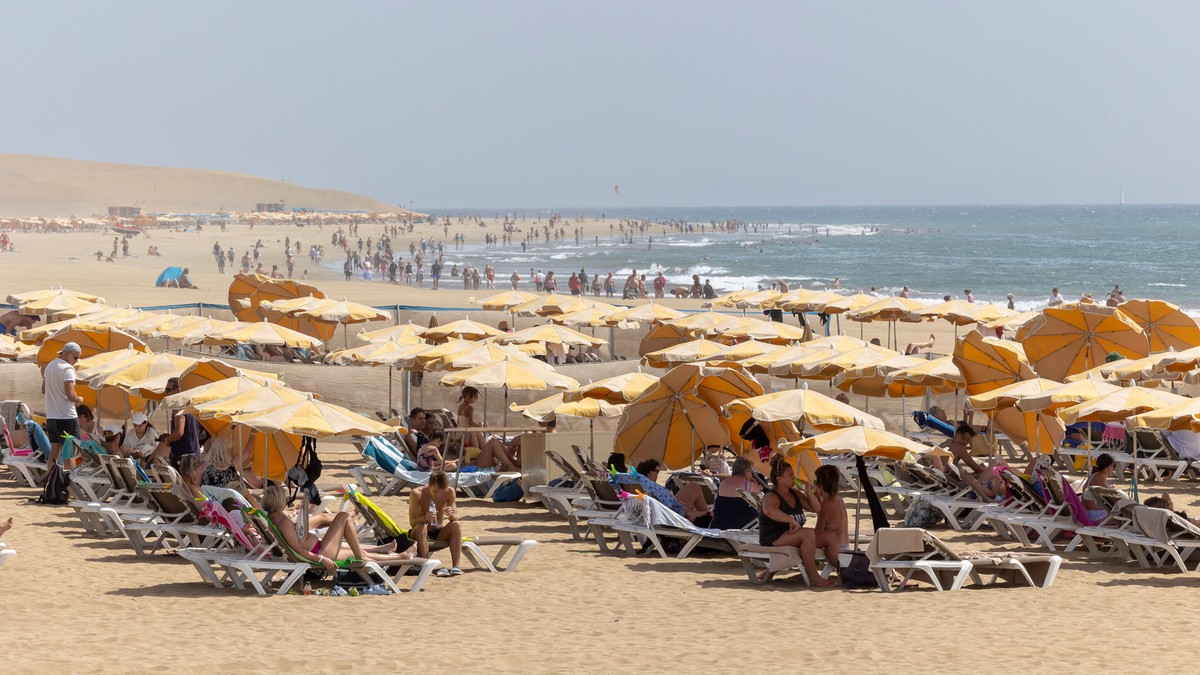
{"x": 804, "y": 300}
{"x": 617, "y": 389}
{"x": 91, "y": 341}
{"x": 212, "y": 391}
{"x": 1179, "y": 417}
{"x": 216, "y": 414}
{"x": 686, "y": 352}
{"x": 661, "y": 336}
{"x": 144, "y": 373}
{"x": 733, "y": 298}
{"x": 864, "y": 442}
{"x": 763, "y": 298}
{"x": 502, "y": 302}
{"x": 17, "y": 351}
{"x": 146, "y": 323}
{"x": 1166, "y": 326}
{"x": 386, "y": 353}
{"x": 594, "y": 317}
{"x": 463, "y": 328}
{"x": 484, "y": 353}
{"x": 1120, "y": 404}
{"x": 870, "y": 379}
{"x": 552, "y": 407}
{"x": 702, "y": 322}
{"x": 550, "y": 305}
{"x": 550, "y": 333}
{"x": 678, "y": 415}
{"x": 847, "y": 303}
{"x": 104, "y": 362}
{"x": 311, "y": 417}
{"x": 1011, "y": 323}
{"x": 828, "y": 367}
{"x": 1140, "y": 370}
{"x": 509, "y": 374}
{"x": 937, "y": 375}
{"x": 35, "y": 335}
{"x": 744, "y": 350}
{"x": 1065, "y": 395}
{"x": 1063, "y": 342}
{"x": 649, "y": 312}
{"x": 206, "y": 371}
{"x": 341, "y": 312}
{"x": 889, "y": 309}
{"x": 990, "y": 363}
{"x": 405, "y": 333}
{"x": 762, "y": 363}
{"x": 60, "y": 304}
{"x": 816, "y": 410}
{"x": 1041, "y": 431}
{"x": 953, "y": 311}
{"x": 35, "y": 296}
{"x": 773, "y": 332}
{"x": 259, "y": 333}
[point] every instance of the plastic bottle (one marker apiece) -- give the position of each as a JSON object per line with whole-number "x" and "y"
{"x": 307, "y": 588}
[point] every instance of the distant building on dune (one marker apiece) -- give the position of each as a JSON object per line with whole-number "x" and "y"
{"x": 269, "y": 207}
{"x": 125, "y": 211}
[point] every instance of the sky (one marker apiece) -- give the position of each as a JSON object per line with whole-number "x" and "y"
{"x": 476, "y": 104}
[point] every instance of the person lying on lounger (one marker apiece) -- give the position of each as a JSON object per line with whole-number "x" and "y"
{"x": 340, "y": 540}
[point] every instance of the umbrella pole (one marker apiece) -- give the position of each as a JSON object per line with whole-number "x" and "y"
{"x": 592, "y": 436}
{"x": 857, "y": 511}
{"x": 389, "y": 389}
{"x": 903, "y": 415}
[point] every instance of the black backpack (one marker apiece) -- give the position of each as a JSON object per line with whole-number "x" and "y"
{"x": 55, "y": 489}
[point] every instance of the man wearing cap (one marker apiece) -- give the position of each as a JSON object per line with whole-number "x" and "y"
{"x": 58, "y": 385}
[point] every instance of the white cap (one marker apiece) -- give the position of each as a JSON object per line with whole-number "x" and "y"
{"x": 112, "y": 427}
{"x": 139, "y": 418}
{"x": 70, "y": 347}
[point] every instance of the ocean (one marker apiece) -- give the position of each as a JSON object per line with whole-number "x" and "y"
{"x": 934, "y": 250}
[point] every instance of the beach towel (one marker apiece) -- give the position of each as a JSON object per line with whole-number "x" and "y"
{"x": 896, "y": 540}
{"x": 38, "y": 439}
{"x": 215, "y": 513}
{"x": 1078, "y": 511}
{"x": 386, "y": 455}
{"x": 1153, "y": 522}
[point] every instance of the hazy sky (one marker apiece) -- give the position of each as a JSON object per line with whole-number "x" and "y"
{"x": 493, "y": 103}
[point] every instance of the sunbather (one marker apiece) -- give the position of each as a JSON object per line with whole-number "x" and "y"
{"x": 340, "y": 540}
{"x": 730, "y": 511}
{"x": 428, "y": 507}
{"x": 688, "y": 501}
{"x": 959, "y": 446}
{"x": 1099, "y": 478}
{"x": 1163, "y": 502}
{"x": 781, "y": 522}
{"x": 429, "y": 457}
{"x": 493, "y": 451}
{"x": 832, "y": 529}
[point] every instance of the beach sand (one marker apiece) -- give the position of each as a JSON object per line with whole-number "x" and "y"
{"x": 79, "y": 604}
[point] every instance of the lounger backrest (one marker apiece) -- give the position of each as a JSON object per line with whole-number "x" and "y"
{"x": 754, "y": 499}
{"x": 936, "y": 544}
{"x": 383, "y": 454}
{"x": 602, "y": 492}
{"x": 169, "y": 504}
{"x": 126, "y": 473}
{"x": 1109, "y": 497}
{"x": 268, "y": 532}
{"x": 568, "y": 471}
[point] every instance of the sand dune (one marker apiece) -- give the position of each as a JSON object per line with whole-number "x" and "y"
{"x": 47, "y": 186}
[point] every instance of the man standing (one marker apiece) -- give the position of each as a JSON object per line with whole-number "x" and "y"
{"x": 58, "y": 384}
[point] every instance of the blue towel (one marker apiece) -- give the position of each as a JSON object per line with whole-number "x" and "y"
{"x": 38, "y": 438}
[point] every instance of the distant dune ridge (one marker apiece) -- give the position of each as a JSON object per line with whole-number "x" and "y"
{"x": 46, "y": 186}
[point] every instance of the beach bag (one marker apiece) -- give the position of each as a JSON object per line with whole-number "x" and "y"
{"x": 858, "y": 573}
{"x": 55, "y": 489}
{"x": 509, "y": 492}
{"x": 922, "y": 514}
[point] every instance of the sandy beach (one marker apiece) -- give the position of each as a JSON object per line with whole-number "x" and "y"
{"x": 97, "y": 608}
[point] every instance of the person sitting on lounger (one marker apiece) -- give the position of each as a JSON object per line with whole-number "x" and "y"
{"x": 959, "y": 446}
{"x": 916, "y": 347}
{"x": 1099, "y": 478}
{"x": 429, "y": 457}
{"x": 688, "y": 501}
{"x": 832, "y": 529}
{"x": 340, "y": 540}
{"x": 781, "y": 522}
{"x": 493, "y": 451}
{"x": 730, "y": 511}
{"x": 429, "y": 506}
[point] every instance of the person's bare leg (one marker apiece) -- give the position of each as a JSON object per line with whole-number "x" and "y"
{"x": 6, "y": 526}
{"x": 828, "y": 541}
{"x": 808, "y": 556}
{"x": 494, "y": 448}
{"x": 420, "y": 533}
{"x": 692, "y": 498}
{"x": 340, "y": 530}
{"x": 453, "y": 534}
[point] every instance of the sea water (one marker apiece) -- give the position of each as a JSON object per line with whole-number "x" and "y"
{"x": 934, "y": 250}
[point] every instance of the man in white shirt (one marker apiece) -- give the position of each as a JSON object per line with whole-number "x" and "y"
{"x": 58, "y": 385}
{"x": 1056, "y": 298}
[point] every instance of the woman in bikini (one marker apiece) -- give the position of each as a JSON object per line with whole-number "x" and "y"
{"x": 340, "y": 540}
{"x": 781, "y": 522}
{"x": 493, "y": 452}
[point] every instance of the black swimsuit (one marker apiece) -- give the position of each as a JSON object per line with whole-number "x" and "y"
{"x": 770, "y": 529}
